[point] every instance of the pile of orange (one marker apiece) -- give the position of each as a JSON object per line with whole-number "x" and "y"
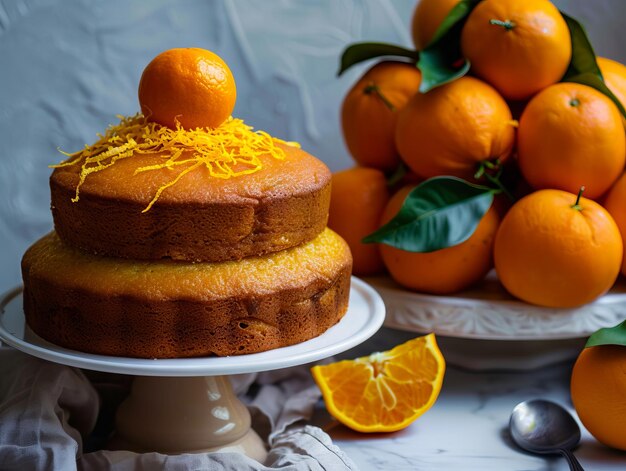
{"x": 550, "y": 245}
{"x": 558, "y": 241}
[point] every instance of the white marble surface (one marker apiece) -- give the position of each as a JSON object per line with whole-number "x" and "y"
{"x": 467, "y": 427}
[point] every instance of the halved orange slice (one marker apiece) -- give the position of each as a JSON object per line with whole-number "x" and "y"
{"x": 386, "y": 391}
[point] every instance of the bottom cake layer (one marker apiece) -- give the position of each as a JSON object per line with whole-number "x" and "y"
{"x": 169, "y": 309}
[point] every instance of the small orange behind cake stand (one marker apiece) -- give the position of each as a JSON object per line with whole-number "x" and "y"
{"x": 187, "y": 405}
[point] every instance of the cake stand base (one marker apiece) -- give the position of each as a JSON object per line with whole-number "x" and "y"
{"x": 187, "y": 405}
{"x": 185, "y": 415}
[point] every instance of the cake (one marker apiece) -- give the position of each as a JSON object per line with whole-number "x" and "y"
{"x": 281, "y": 206}
{"x": 230, "y": 255}
{"x": 166, "y": 309}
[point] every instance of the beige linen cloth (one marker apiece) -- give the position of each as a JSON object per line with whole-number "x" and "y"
{"x": 48, "y": 413}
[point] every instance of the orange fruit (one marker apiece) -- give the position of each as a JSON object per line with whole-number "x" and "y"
{"x": 369, "y": 111}
{"x": 358, "y": 198}
{"x": 427, "y": 17}
{"x": 386, "y": 391}
{"x": 453, "y": 128}
{"x": 571, "y": 135}
{"x": 615, "y": 204}
{"x": 519, "y": 47}
{"x": 191, "y": 85}
{"x": 550, "y": 252}
{"x": 598, "y": 389}
{"x": 614, "y": 75}
{"x": 446, "y": 270}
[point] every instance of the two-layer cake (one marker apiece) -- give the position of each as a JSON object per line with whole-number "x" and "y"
{"x": 156, "y": 254}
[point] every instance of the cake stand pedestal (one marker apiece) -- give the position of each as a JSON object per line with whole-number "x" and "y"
{"x": 187, "y": 405}
{"x": 185, "y": 415}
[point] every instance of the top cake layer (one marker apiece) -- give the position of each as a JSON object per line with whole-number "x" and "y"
{"x": 200, "y": 218}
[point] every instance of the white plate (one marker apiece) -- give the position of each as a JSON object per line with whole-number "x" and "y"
{"x": 488, "y": 312}
{"x": 485, "y": 328}
{"x": 364, "y": 317}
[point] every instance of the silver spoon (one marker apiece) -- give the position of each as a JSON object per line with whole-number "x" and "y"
{"x": 545, "y": 427}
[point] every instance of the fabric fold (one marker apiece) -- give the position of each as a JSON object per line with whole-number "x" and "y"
{"x": 48, "y": 411}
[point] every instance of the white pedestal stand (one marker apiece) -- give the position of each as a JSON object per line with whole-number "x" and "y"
{"x": 188, "y": 405}
{"x": 485, "y": 328}
{"x": 185, "y": 415}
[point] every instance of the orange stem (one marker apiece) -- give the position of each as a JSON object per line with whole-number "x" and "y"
{"x": 577, "y": 205}
{"x": 373, "y": 88}
{"x": 507, "y": 25}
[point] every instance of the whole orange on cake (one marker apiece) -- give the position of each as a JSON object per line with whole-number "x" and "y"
{"x": 186, "y": 233}
{"x": 190, "y": 85}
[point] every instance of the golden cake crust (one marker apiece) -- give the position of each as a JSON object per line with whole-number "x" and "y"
{"x": 200, "y": 218}
{"x": 168, "y": 309}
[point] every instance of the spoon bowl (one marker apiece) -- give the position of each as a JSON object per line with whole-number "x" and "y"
{"x": 541, "y": 426}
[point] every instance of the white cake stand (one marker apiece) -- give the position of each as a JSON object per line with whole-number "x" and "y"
{"x": 485, "y": 328}
{"x": 187, "y": 405}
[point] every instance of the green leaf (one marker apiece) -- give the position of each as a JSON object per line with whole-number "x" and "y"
{"x": 361, "y": 52}
{"x": 458, "y": 13}
{"x": 441, "y": 61}
{"x": 440, "y": 212}
{"x": 583, "y": 58}
{"x": 436, "y": 70}
{"x": 583, "y": 67}
{"x": 608, "y": 336}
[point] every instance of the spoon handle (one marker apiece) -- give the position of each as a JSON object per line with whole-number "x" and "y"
{"x": 574, "y": 464}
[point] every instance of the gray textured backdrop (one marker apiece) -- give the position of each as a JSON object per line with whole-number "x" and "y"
{"x": 68, "y": 67}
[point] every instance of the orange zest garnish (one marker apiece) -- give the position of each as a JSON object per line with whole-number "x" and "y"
{"x": 229, "y": 150}
{"x": 386, "y": 391}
